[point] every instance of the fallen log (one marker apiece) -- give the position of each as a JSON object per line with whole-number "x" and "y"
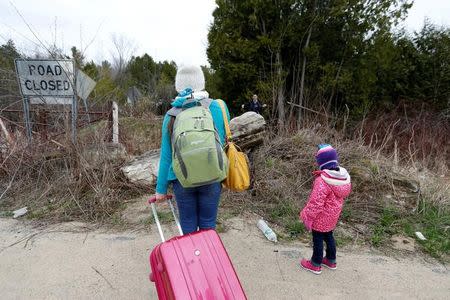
{"x": 248, "y": 129}
{"x": 143, "y": 169}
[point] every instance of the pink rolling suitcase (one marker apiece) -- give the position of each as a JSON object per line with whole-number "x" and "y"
{"x": 193, "y": 266}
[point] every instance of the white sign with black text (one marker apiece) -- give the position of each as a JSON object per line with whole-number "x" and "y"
{"x": 46, "y": 78}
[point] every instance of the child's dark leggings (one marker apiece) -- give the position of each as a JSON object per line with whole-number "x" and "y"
{"x": 318, "y": 238}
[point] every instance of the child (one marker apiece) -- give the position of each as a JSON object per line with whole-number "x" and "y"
{"x": 321, "y": 213}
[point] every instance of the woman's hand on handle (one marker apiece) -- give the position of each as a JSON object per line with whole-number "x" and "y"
{"x": 158, "y": 198}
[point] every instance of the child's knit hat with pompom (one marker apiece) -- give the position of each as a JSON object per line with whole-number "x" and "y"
{"x": 327, "y": 157}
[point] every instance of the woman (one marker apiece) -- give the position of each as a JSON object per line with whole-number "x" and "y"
{"x": 197, "y": 206}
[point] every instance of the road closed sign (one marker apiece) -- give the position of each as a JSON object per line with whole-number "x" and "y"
{"x": 45, "y": 78}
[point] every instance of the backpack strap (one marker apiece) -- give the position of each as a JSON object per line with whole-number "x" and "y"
{"x": 205, "y": 102}
{"x": 174, "y": 111}
{"x": 225, "y": 119}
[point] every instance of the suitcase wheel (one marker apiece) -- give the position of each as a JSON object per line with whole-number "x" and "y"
{"x": 151, "y": 277}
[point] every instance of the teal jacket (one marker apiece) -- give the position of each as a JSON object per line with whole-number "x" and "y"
{"x": 166, "y": 174}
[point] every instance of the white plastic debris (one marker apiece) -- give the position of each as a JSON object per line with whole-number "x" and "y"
{"x": 420, "y": 236}
{"x": 268, "y": 232}
{"x": 20, "y": 212}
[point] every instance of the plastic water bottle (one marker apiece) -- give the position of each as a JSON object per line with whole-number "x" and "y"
{"x": 268, "y": 232}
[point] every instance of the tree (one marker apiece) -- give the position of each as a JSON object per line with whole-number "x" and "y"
{"x": 306, "y": 52}
{"x": 212, "y": 83}
{"x": 143, "y": 71}
{"x": 169, "y": 70}
{"x": 8, "y": 52}
{"x": 123, "y": 51}
{"x": 166, "y": 80}
{"x": 107, "y": 88}
{"x": 77, "y": 57}
{"x": 92, "y": 70}
{"x": 9, "y": 89}
{"x": 154, "y": 79}
{"x": 433, "y": 65}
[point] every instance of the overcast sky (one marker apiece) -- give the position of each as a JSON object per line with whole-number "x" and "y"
{"x": 167, "y": 30}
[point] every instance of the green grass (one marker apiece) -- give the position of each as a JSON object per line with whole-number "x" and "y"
{"x": 386, "y": 227}
{"x": 284, "y": 209}
{"x": 346, "y": 214}
{"x": 220, "y": 227}
{"x": 165, "y": 216}
{"x": 434, "y": 223}
{"x": 285, "y": 214}
{"x": 342, "y": 240}
{"x": 39, "y": 213}
{"x": 224, "y": 215}
{"x": 295, "y": 228}
{"x": 270, "y": 162}
{"x": 6, "y": 214}
{"x": 147, "y": 221}
{"x": 375, "y": 169}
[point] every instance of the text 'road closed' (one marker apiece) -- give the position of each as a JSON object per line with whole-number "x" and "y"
{"x": 46, "y": 77}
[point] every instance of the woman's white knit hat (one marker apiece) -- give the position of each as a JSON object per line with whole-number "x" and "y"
{"x": 190, "y": 76}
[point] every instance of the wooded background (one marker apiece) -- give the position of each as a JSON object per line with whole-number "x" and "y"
{"x": 348, "y": 60}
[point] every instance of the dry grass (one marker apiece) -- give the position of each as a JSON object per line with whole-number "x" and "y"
{"x": 282, "y": 180}
{"x": 412, "y": 136}
{"x": 63, "y": 182}
{"x": 66, "y": 182}
{"x": 140, "y": 134}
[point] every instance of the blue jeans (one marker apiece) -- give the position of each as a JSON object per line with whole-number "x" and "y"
{"x": 318, "y": 238}
{"x": 197, "y": 206}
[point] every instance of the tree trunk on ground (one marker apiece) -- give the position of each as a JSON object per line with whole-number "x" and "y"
{"x": 248, "y": 129}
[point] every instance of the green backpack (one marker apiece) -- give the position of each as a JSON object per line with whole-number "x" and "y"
{"x": 197, "y": 155}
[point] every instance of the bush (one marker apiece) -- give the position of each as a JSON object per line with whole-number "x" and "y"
{"x": 385, "y": 197}
{"x": 66, "y": 182}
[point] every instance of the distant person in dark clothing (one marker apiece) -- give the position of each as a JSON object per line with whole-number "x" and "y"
{"x": 254, "y": 105}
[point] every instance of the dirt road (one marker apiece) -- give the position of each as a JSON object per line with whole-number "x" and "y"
{"x": 69, "y": 261}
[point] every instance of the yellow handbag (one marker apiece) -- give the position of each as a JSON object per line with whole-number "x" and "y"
{"x": 238, "y": 178}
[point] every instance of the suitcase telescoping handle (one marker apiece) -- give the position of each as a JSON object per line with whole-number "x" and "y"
{"x": 152, "y": 202}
